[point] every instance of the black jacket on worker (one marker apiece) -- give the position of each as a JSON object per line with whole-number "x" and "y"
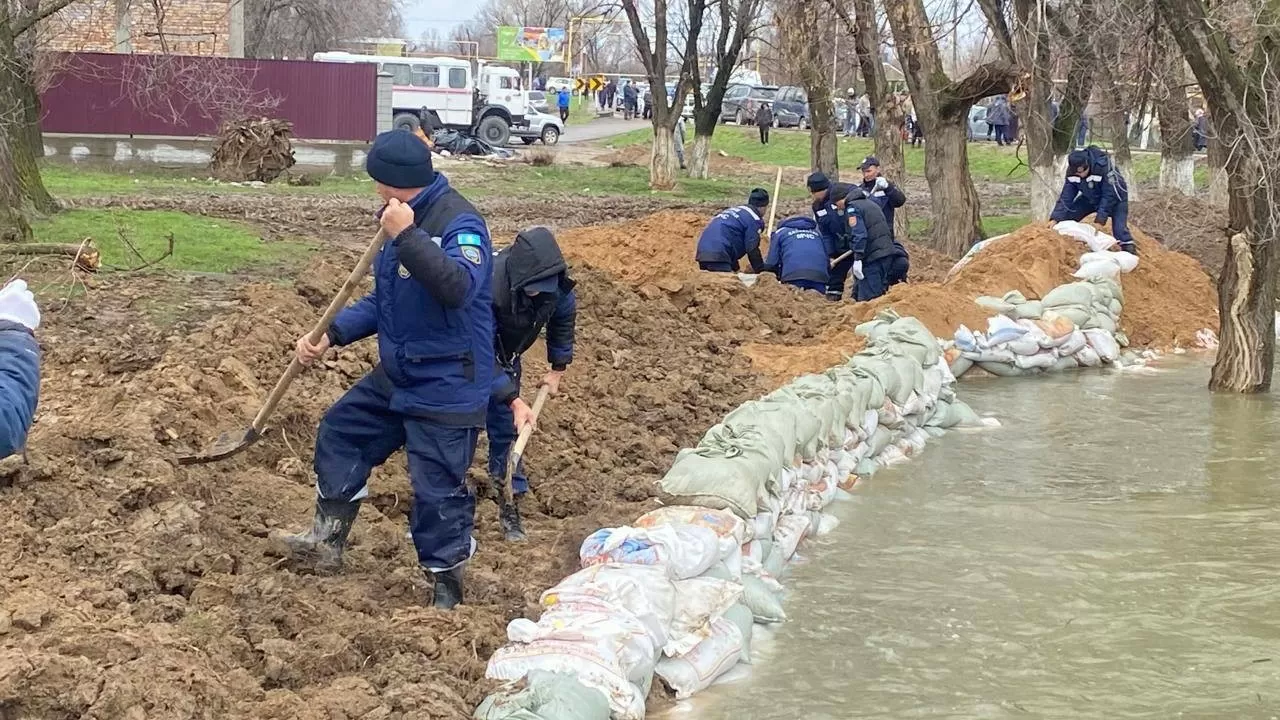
{"x": 764, "y": 116}
{"x": 532, "y": 290}
{"x": 879, "y": 242}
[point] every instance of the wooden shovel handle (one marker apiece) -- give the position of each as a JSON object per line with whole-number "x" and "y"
{"x": 841, "y": 259}
{"x": 773, "y": 204}
{"x": 544, "y": 392}
{"x": 322, "y": 326}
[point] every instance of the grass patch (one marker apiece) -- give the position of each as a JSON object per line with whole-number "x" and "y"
{"x": 78, "y": 181}
{"x": 200, "y": 244}
{"x": 523, "y": 180}
{"x": 988, "y": 162}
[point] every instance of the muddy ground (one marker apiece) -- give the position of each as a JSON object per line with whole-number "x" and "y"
{"x": 134, "y": 588}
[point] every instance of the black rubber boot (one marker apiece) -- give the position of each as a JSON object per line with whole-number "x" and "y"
{"x": 322, "y": 546}
{"x": 448, "y": 588}
{"x": 508, "y": 513}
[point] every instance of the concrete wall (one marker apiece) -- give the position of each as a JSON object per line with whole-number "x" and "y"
{"x": 174, "y": 153}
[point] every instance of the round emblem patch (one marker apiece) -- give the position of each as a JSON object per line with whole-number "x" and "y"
{"x": 472, "y": 254}
{"x": 404, "y": 272}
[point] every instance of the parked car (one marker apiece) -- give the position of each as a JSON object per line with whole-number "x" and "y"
{"x": 542, "y": 126}
{"x": 688, "y": 101}
{"x": 785, "y": 118}
{"x": 792, "y": 101}
{"x": 538, "y": 102}
{"x": 978, "y": 128}
{"x": 741, "y": 101}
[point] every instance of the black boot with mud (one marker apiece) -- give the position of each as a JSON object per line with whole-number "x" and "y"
{"x": 320, "y": 548}
{"x": 508, "y": 511}
{"x": 447, "y": 593}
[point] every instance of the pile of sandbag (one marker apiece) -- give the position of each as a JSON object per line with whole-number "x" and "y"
{"x": 1073, "y": 325}
{"x": 675, "y": 596}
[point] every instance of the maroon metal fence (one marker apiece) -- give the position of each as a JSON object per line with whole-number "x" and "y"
{"x": 116, "y": 94}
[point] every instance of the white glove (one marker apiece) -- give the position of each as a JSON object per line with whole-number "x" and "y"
{"x": 882, "y": 184}
{"x": 857, "y": 269}
{"x": 18, "y": 305}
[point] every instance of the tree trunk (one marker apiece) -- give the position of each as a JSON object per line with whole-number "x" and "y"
{"x": 802, "y": 39}
{"x": 1031, "y": 49}
{"x": 1216, "y": 161}
{"x": 699, "y": 160}
{"x": 942, "y": 108}
{"x": 957, "y": 222}
{"x": 18, "y": 94}
{"x": 662, "y": 161}
{"x": 1177, "y": 147}
{"x": 823, "y": 139}
{"x": 1246, "y": 122}
{"x": 13, "y": 221}
{"x": 886, "y": 109}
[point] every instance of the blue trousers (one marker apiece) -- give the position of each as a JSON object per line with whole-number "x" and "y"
{"x": 500, "y": 424}
{"x": 813, "y": 285}
{"x": 1120, "y": 222}
{"x": 360, "y": 432}
{"x": 875, "y": 280}
{"x": 716, "y": 267}
{"x": 899, "y": 266}
{"x": 836, "y": 280}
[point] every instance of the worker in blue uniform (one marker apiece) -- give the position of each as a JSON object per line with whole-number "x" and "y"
{"x": 1095, "y": 187}
{"x": 431, "y": 311}
{"x": 828, "y": 215}
{"x": 532, "y": 290}
{"x": 798, "y": 254}
{"x": 733, "y": 235}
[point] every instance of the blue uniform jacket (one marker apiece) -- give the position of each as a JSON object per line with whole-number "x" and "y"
{"x": 798, "y": 252}
{"x": 889, "y": 199}
{"x": 431, "y": 311}
{"x": 730, "y": 236}
{"x": 19, "y": 385}
{"x": 831, "y": 223}
{"x": 1103, "y": 193}
{"x": 562, "y": 99}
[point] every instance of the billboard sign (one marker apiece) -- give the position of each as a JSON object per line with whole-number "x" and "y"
{"x": 531, "y": 44}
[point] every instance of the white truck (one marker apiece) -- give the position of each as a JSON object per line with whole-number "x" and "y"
{"x": 485, "y": 100}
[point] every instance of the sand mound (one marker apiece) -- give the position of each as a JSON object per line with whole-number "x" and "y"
{"x": 1187, "y": 225}
{"x": 648, "y": 250}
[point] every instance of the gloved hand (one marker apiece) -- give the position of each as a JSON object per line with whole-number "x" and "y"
{"x": 18, "y": 305}
{"x": 857, "y": 269}
{"x": 882, "y": 184}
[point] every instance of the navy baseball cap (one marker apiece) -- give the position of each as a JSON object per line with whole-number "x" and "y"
{"x": 869, "y": 161}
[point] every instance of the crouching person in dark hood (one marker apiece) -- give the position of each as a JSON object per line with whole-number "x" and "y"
{"x": 531, "y": 291}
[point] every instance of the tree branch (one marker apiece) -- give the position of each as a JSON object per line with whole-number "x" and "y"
{"x": 990, "y": 79}
{"x": 26, "y": 23}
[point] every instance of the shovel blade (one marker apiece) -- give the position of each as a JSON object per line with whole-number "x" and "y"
{"x": 227, "y": 444}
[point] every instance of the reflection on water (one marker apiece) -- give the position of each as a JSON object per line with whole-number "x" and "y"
{"x": 1111, "y": 552}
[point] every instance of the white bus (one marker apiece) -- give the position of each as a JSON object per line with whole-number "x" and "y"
{"x": 445, "y": 91}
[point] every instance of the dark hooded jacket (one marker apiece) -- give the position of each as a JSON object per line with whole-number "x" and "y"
{"x": 1103, "y": 192}
{"x": 519, "y": 318}
{"x": 876, "y": 241}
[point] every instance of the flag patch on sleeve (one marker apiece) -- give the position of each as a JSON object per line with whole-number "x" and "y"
{"x": 471, "y": 239}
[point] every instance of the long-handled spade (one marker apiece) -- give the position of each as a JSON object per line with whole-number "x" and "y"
{"x": 233, "y": 443}
{"x": 504, "y": 498}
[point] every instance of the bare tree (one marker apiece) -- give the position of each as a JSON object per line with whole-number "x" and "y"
{"x": 801, "y": 30}
{"x": 301, "y": 28}
{"x": 736, "y": 22}
{"x": 1177, "y": 147}
{"x": 654, "y": 56}
{"x": 942, "y": 108}
{"x": 1239, "y": 73}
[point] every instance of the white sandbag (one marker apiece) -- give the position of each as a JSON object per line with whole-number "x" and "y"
{"x": 967, "y": 340}
{"x": 1127, "y": 261}
{"x": 1064, "y": 363}
{"x": 1000, "y": 369}
{"x": 1042, "y": 361}
{"x": 961, "y": 415}
{"x": 960, "y": 366}
{"x": 763, "y": 523}
{"x": 545, "y": 696}
{"x": 645, "y": 591}
{"x": 722, "y": 522}
{"x": 1073, "y": 344}
{"x": 820, "y": 492}
{"x": 619, "y": 635}
{"x": 698, "y": 601}
{"x": 1105, "y": 268}
{"x": 1078, "y": 230}
{"x": 1029, "y": 344}
{"x": 685, "y": 550}
{"x": 1029, "y": 310}
{"x": 588, "y": 662}
{"x": 1001, "y": 329}
{"x": 827, "y": 524}
{"x": 1087, "y": 357}
{"x": 1104, "y": 343}
{"x": 998, "y": 355}
{"x": 740, "y": 615}
{"x": 697, "y": 669}
{"x": 1071, "y": 294}
{"x": 721, "y": 478}
{"x": 791, "y": 530}
{"x": 763, "y": 596}
{"x": 775, "y": 561}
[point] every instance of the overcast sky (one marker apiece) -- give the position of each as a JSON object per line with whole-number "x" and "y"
{"x": 439, "y": 15}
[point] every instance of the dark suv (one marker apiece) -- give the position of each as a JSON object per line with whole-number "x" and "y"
{"x": 741, "y": 102}
{"x": 791, "y": 107}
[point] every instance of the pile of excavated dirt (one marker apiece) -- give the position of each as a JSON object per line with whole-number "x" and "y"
{"x": 131, "y": 586}
{"x": 649, "y": 250}
{"x": 1184, "y": 224}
